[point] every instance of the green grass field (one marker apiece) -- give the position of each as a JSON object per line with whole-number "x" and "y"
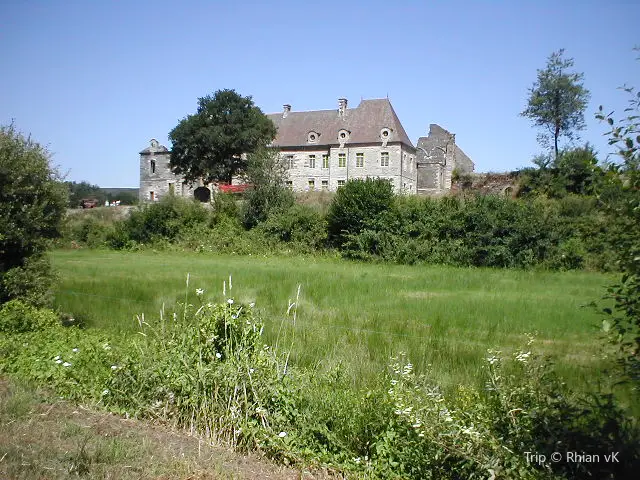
{"x": 353, "y": 313}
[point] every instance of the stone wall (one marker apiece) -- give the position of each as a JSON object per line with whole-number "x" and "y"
{"x": 488, "y": 183}
{"x": 401, "y": 170}
{"x": 437, "y": 157}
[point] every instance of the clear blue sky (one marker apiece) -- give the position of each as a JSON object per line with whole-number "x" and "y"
{"x": 94, "y": 81}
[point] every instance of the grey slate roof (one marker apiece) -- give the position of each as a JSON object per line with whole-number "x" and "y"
{"x": 363, "y": 122}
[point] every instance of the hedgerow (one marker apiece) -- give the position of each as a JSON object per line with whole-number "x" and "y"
{"x": 367, "y": 222}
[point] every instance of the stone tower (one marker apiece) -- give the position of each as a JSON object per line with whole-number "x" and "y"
{"x": 157, "y": 180}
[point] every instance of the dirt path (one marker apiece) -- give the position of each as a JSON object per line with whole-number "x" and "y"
{"x": 56, "y": 440}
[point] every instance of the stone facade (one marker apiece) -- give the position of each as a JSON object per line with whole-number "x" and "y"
{"x": 156, "y": 178}
{"x": 363, "y": 142}
{"x": 437, "y": 157}
{"x": 324, "y": 149}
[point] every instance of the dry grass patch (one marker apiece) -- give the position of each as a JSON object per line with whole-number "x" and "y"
{"x": 44, "y": 438}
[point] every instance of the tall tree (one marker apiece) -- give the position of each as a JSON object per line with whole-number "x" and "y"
{"x": 557, "y": 101}
{"x": 210, "y": 144}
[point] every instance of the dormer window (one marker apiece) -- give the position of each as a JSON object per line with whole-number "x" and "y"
{"x": 385, "y": 133}
{"x": 312, "y": 137}
{"x": 343, "y": 135}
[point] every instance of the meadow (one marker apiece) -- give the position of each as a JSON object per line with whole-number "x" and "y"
{"x": 354, "y": 314}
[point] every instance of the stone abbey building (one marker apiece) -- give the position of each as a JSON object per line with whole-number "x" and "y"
{"x": 322, "y": 149}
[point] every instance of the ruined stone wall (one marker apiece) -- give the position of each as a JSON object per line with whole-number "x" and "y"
{"x": 488, "y": 183}
{"x": 438, "y": 156}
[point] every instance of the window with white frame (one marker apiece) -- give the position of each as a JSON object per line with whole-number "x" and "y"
{"x": 340, "y": 183}
{"x": 359, "y": 159}
{"x": 325, "y": 161}
{"x": 384, "y": 159}
{"x": 342, "y": 160}
{"x": 312, "y": 184}
{"x": 289, "y": 161}
{"x": 312, "y": 161}
{"x": 325, "y": 184}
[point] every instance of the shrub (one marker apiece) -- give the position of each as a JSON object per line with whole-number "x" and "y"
{"x": 623, "y": 320}
{"x": 19, "y": 317}
{"x": 164, "y": 220}
{"x": 299, "y": 224}
{"x": 266, "y": 172}
{"x": 474, "y": 231}
{"x": 356, "y": 206}
{"x": 33, "y": 201}
{"x": 89, "y": 227}
{"x": 225, "y": 209}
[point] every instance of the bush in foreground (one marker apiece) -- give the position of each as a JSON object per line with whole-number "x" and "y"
{"x": 33, "y": 202}
{"x": 206, "y": 368}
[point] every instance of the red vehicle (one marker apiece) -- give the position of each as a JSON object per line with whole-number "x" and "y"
{"x": 89, "y": 203}
{"x": 234, "y": 188}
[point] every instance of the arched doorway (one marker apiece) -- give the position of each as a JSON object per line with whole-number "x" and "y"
{"x": 202, "y": 194}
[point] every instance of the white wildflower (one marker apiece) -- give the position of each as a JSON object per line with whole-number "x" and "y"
{"x": 252, "y": 304}
{"x": 416, "y": 425}
{"x": 218, "y": 355}
{"x": 106, "y": 346}
{"x": 114, "y": 367}
{"x": 57, "y": 357}
{"x": 199, "y": 291}
{"x": 230, "y": 301}
{"x": 66, "y": 364}
{"x": 494, "y": 357}
{"x": 75, "y": 350}
{"x": 357, "y": 459}
{"x": 282, "y": 434}
{"x": 58, "y": 361}
{"x": 251, "y": 370}
{"x": 105, "y": 392}
{"x": 523, "y": 356}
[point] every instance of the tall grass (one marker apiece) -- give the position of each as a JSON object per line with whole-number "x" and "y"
{"x": 355, "y": 314}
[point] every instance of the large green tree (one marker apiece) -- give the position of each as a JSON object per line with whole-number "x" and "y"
{"x": 557, "y": 101}
{"x": 210, "y": 145}
{"x": 33, "y": 202}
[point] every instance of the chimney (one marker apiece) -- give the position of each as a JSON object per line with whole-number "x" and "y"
{"x": 286, "y": 109}
{"x": 342, "y": 106}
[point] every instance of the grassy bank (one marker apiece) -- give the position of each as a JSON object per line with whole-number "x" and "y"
{"x": 356, "y": 314}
